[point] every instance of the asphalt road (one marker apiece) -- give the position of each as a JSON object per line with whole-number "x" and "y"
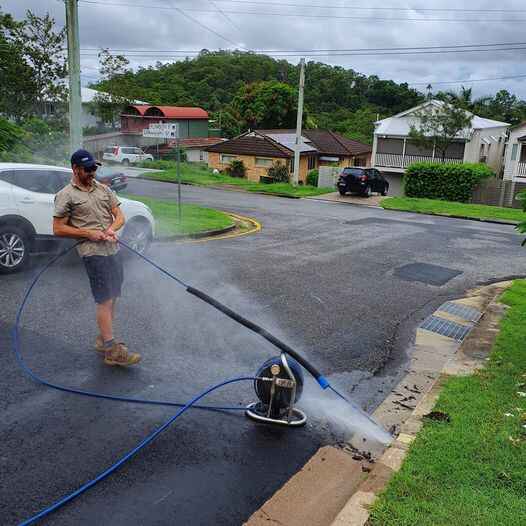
{"x": 324, "y": 277}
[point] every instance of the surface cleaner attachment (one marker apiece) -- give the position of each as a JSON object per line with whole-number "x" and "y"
{"x": 278, "y": 385}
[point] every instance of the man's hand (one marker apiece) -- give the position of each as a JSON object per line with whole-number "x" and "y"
{"x": 111, "y": 235}
{"x": 97, "y": 235}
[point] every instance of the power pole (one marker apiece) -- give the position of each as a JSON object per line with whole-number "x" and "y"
{"x": 75, "y": 101}
{"x": 295, "y": 177}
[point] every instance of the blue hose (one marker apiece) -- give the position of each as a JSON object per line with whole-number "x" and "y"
{"x": 128, "y": 455}
{"x": 183, "y": 407}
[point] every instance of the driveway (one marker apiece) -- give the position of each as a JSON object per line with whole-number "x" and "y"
{"x": 324, "y": 277}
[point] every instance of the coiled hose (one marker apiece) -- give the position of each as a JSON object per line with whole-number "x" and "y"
{"x": 322, "y": 381}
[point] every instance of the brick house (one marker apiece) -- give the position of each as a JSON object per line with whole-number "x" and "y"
{"x": 260, "y": 149}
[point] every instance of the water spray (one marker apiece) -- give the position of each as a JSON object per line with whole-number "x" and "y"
{"x": 278, "y": 383}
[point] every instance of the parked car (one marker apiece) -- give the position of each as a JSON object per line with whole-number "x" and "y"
{"x": 362, "y": 181}
{"x": 27, "y": 193}
{"x": 117, "y": 181}
{"x": 126, "y": 155}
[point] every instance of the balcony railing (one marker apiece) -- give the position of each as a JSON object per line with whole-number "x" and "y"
{"x": 521, "y": 169}
{"x": 396, "y": 160}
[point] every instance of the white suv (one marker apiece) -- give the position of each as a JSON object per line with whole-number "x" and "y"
{"x": 27, "y": 193}
{"x": 126, "y": 155}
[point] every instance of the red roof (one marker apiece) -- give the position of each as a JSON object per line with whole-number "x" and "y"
{"x": 178, "y": 112}
{"x": 200, "y": 142}
{"x": 168, "y": 112}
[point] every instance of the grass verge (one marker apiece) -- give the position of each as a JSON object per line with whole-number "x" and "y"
{"x": 434, "y": 206}
{"x": 195, "y": 218}
{"x": 204, "y": 177}
{"x": 471, "y": 470}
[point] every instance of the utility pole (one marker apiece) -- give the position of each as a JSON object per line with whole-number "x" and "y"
{"x": 295, "y": 177}
{"x": 75, "y": 101}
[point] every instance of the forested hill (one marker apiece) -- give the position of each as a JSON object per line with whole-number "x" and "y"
{"x": 250, "y": 90}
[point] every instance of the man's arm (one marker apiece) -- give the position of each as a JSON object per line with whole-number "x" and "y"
{"x": 118, "y": 223}
{"x": 62, "y": 229}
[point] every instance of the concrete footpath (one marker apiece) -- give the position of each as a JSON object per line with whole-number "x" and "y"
{"x": 337, "y": 485}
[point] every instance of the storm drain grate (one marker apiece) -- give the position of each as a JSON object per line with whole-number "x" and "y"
{"x": 447, "y": 328}
{"x": 461, "y": 311}
{"x": 426, "y": 273}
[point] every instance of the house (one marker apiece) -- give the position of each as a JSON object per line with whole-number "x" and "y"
{"x": 193, "y": 122}
{"x": 393, "y": 150}
{"x": 515, "y": 156}
{"x": 260, "y": 149}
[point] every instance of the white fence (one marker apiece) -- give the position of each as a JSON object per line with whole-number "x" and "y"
{"x": 328, "y": 176}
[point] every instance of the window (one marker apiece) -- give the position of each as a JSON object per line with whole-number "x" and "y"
{"x": 128, "y": 150}
{"x": 514, "y": 149}
{"x": 201, "y": 155}
{"x": 227, "y": 158}
{"x": 312, "y": 162}
{"x": 262, "y": 161}
{"x": 6, "y": 176}
{"x": 108, "y": 150}
{"x": 41, "y": 181}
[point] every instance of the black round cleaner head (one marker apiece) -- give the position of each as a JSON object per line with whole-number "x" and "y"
{"x": 278, "y": 385}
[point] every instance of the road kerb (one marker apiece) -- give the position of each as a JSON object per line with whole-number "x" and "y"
{"x": 471, "y": 355}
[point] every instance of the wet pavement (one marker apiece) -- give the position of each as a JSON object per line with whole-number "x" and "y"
{"x": 321, "y": 276}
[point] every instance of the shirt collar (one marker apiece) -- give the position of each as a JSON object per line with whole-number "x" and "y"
{"x": 75, "y": 185}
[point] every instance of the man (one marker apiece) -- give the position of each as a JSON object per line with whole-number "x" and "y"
{"x": 88, "y": 210}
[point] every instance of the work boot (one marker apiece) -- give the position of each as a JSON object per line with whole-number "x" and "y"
{"x": 99, "y": 344}
{"x": 119, "y": 355}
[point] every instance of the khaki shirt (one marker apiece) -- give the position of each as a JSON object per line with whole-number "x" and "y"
{"x": 88, "y": 209}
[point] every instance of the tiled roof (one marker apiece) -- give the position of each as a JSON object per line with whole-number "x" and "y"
{"x": 199, "y": 142}
{"x": 327, "y": 142}
{"x": 252, "y": 145}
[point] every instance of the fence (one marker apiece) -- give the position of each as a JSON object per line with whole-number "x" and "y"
{"x": 497, "y": 192}
{"x": 328, "y": 176}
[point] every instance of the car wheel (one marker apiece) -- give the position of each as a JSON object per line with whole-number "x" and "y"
{"x": 125, "y": 162}
{"x": 138, "y": 235}
{"x": 14, "y": 249}
{"x": 368, "y": 192}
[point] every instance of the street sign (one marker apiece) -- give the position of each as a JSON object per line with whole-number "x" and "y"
{"x": 162, "y": 130}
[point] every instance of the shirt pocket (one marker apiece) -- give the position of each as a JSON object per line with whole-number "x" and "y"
{"x": 80, "y": 206}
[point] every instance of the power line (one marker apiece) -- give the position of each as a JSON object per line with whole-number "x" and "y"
{"x": 296, "y": 15}
{"x": 367, "y": 8}
{"x": 350, "y": 50}
{"x": 465, "y": 81}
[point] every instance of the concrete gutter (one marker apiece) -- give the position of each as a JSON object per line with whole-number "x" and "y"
{"x": 355, "y": 477}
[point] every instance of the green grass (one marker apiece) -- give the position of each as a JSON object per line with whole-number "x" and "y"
{"x": 195, "y": 218}
{"x": 471, "y": 471}
{"x": 204, "y": 177}
{"x": 434, "y": 206}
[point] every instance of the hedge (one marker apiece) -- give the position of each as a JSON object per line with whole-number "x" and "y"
{"x": 449, "y": 182}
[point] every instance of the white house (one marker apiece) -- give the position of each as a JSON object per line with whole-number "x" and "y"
{"x": 393, "y": 150}
{"x": 515, "y": 158}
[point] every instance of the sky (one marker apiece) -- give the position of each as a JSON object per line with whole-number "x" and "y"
{"x": 157, "y": 26}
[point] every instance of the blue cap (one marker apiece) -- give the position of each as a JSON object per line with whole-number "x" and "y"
{"x": 83, "y": 158}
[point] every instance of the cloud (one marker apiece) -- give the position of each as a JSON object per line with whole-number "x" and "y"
{"x": 156, "y": 29}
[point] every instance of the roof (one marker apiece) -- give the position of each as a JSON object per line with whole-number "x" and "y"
{"x": 252, "y": 143}
{"x": 401, "y": 123}
{"x": 289, "y": 141}
{"x": 326, "y": 142}
{"x": 522, "y": 139}
{"x": 199, "y": 142}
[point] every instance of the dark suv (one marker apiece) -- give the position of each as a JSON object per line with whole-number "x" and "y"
{"x": 362, "y": 181}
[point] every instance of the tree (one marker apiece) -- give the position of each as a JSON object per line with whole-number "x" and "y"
{"x": 19, "y": 88}
{"x": 43, "y": 49}
{"x": 268, "y": 104}
{"x": 439, "y": 127}
{"x": 116, "y": 87}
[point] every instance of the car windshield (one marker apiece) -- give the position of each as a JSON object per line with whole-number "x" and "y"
{"x": 354, "y": 171}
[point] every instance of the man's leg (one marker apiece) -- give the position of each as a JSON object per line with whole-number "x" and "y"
{"x": 105, "y": 320}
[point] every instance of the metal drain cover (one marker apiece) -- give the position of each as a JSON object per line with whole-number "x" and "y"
{"x": 453, "y": 330}
{"x": 426, "y": 273}
{"x": 461, "y": 311}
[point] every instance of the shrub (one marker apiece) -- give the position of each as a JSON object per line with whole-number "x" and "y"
{"x": 449, "y": 182}
{"x": 279, "y": 172}
{"x": 236, "y": 169}
{"x": 171, "y": 155}
{"x": 312, "y": 178}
